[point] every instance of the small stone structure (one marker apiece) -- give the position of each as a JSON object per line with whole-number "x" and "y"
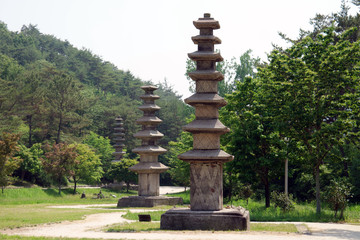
{"x": 206, "y": 159}
{"x": 118, "y": 139}
{"x": 148, "y": 168}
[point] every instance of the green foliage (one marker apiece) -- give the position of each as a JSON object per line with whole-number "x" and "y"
{"x": 283, "y": 201}
{"x": 102, "y": 148}
{"x": 59, "y": 162}
{"x": 120, "y": 171}
{"x": 254, "y": 139}
{"x": 87, "y": 166}
{"x": 313, "y": 89}
{"x": 336, "y": 195}
{"x": 233, "y": 72}
{"x": 8, "y": 163}
{"x": 31, "y": 161}
{"x": 180, "y": 170}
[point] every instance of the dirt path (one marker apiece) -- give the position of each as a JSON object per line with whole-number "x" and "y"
{"x": 92, "y": 225}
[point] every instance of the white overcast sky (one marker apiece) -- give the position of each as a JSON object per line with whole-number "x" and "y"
{"x": 151, "y": 38}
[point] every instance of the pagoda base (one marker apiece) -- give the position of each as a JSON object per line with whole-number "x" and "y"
{"x": 185, "y": 219}
{"x": 148, "y": 201}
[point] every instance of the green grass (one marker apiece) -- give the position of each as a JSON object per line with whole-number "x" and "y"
{"x": 155, "y": 215}
{"x": 28, "y": 206}
{"x": 301, "y": 213}
{"x": 184, "y": 195}
{"x": 155, "y": 226}
{"x": 39, "y": 195}
{"x": 6, "y": 237}
{"x": 135, "y": 227}
{"x": 271, "y": 227}
{"x": 14, "y": 216}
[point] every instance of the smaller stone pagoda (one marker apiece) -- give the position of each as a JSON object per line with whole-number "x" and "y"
{"x": 118, "y": 139}
{"x": 148, "y": 169}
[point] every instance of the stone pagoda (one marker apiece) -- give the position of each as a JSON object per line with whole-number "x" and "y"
{"x": 206, "y": 159}
{"x": 148, "y": 169}
{"x": 118, "y": 139}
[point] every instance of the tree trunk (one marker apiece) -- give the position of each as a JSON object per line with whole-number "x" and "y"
{"x": 75, "y": 182}
{"x": 59, "y": 187}
{"x": 22, "y": 175}
{"x": 267, "y": 189}
{"x": 127, "y": 186}
{"x": 29, "y": 117}
{"x": 59, "y": 130}
{"x": 286, "y": 176}
{"x": 317, "y": 186}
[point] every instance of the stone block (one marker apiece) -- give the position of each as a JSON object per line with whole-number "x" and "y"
{"x": 148, "y": 201}
{"x": 224, "y": 220}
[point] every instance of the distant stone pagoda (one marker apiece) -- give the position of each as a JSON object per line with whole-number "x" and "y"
{"x": 118, "y": 139}
{"x": 206, "y": 159}
{"x": 148, "y": 169}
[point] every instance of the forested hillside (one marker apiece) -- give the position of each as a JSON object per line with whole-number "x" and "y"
{"x": 52, "y": 92}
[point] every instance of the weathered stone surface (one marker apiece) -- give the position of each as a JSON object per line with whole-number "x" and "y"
{"x": 119, "y": 139}
{"x": 148, "y": 201}
{"x": 186, "y": 219}
{"x": 206, "y": 159}
{"x": 148, "y": 169}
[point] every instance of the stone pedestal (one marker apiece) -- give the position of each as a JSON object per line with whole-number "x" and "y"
{"x": 148, "y": 201}
{"x": 186, "y": 219}
{"x": 206, "y": 159}
{"x": 148, "y": 169}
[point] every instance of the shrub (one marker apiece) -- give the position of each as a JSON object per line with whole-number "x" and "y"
{"x": 283, "y": 201}
{"x": 337, "y": 195}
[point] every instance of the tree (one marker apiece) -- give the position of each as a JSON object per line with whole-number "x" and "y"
{"x": 313, "y": 87}
{"x": 120, "y": 171}
{"x": 31, "y": 162}
{"x": 180, "y": 170}
{"x": 253, "y": 138}
{"x": 103, "y": 149}
{"x": 59, "y": 162}
{"x": 8, "y": 147}
{"x": 87, "y": 165}
{"x": 9, "y": 94}
{"x": 64, "y": 97}
{"x": 233, "y": 71}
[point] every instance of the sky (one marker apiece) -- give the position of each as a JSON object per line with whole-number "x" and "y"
{"x": 151, "y": 38}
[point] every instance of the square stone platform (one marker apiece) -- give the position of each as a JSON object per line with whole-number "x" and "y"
{"x": 148, "y": 201}
{"x": 185, "y": 219}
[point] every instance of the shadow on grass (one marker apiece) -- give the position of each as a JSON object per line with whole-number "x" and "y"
{"x": 184, "y": 195}
{"x": 55, "y": 192}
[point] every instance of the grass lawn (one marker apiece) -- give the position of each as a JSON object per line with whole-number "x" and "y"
{"x": 155, "y": 226}
{"x": 303, "y": 212}
{"x": 28, "y": 206}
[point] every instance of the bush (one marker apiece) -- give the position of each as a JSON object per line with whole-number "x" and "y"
{"x": 337, "y": 195}
{"x": 283, "y": 201}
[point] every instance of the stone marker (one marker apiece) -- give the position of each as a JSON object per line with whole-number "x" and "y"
{"x": 206, "y": 159}
{"x": 118, "y": 139}
{"x": 148, "y": 168}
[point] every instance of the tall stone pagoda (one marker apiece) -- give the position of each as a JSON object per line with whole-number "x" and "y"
{"x": 148, "y": 169}
{"x": 118, "y": 139}
{"x": 206, "y": 159}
